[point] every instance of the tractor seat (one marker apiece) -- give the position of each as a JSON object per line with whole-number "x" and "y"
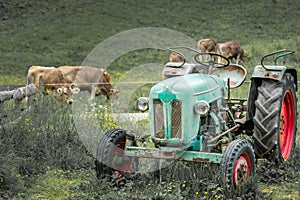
{"x": 236, "y": 74}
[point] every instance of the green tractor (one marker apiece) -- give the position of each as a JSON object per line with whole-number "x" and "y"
{"x": 193, "y": 118}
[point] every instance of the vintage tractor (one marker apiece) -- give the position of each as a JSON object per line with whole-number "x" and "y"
{"x": 193, "y": 118}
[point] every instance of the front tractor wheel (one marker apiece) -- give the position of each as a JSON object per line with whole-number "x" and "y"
{"x": 111, "y": 162}
{"x": 275, "y": 119}
{"x": 238, "y": 164}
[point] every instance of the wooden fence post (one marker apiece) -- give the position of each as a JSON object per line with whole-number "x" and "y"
{"x": 17, "y": 95}
{"x": 17, "y": 102}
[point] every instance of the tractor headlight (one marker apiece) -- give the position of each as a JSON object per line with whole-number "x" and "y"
{"x": 142, "y": 104}
{"x": 201, "y": 108}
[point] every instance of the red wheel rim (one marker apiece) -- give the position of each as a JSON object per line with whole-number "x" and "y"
{"x": 121, "y": 163}
{"x": 287, "y": 125}
{"x": 242, "y": 169}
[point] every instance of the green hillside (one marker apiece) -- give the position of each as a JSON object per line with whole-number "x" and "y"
{"x": 41, "y": 153}
{"x": 53, "y": 33}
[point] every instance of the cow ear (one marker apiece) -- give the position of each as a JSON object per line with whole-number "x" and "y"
{"x": 75, "y": 90}
{"x": 59, "y": 91}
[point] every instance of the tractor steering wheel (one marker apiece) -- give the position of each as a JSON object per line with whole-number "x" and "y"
{"x": 212, "y": 62}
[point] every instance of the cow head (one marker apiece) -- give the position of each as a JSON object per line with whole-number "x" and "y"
{"x": 175, "y": 57}
{"x": 207, "y": 45}
{"x": 105, "y": 88}
{"x": 107, "y": 91}
{"x": 65, "y": 92}
{"x": 113, "y": 94}
{"x": 245, "y": 56}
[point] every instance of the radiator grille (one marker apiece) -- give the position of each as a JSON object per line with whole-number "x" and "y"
{"x": 176, "y": 119}
{"x": 158, "y": 118}
{"x": 176, "y": 107}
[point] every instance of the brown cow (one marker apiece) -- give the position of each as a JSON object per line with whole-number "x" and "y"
{"x": 207, "y": 45}
{"x": 230, "y": 50}
{"x": 175, "y": 57}
{"x": 91, "y": 79}
{"x": 53, "y": 81}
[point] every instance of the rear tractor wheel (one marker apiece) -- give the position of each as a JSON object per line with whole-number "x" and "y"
{"x": 275, "y": 119}
{"x": 111, "y": 162}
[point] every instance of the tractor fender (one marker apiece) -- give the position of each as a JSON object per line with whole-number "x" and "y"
{"x": 273, "y": 72}
{"x": 260, "y": 73}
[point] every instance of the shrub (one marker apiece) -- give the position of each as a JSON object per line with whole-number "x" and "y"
{"x": 43, "y": 135}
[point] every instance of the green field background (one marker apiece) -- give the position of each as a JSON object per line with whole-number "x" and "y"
{"x": 50, "y": 162}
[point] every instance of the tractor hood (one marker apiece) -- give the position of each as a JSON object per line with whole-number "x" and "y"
{"x": 189, "y": 87}
{"x": 171, "y": 106}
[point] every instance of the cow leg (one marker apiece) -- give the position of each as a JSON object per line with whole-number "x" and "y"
{"x": 219, "y": 51}
{"x": 93, "y": 92}
{"x": 238, "y": 59}
{"x": 220, "y": 60}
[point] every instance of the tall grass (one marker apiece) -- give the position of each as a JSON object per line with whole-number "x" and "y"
{"x": 42, "y": 156}
{"x": 37, "y": 138}
{"x": 42, "y": 141}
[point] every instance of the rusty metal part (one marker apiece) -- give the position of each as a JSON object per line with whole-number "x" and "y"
{"x": 223, "y": 134}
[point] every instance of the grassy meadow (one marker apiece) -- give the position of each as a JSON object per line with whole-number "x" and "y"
{"x": 55, "y": 33}
{"x": 41, "y": 154}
